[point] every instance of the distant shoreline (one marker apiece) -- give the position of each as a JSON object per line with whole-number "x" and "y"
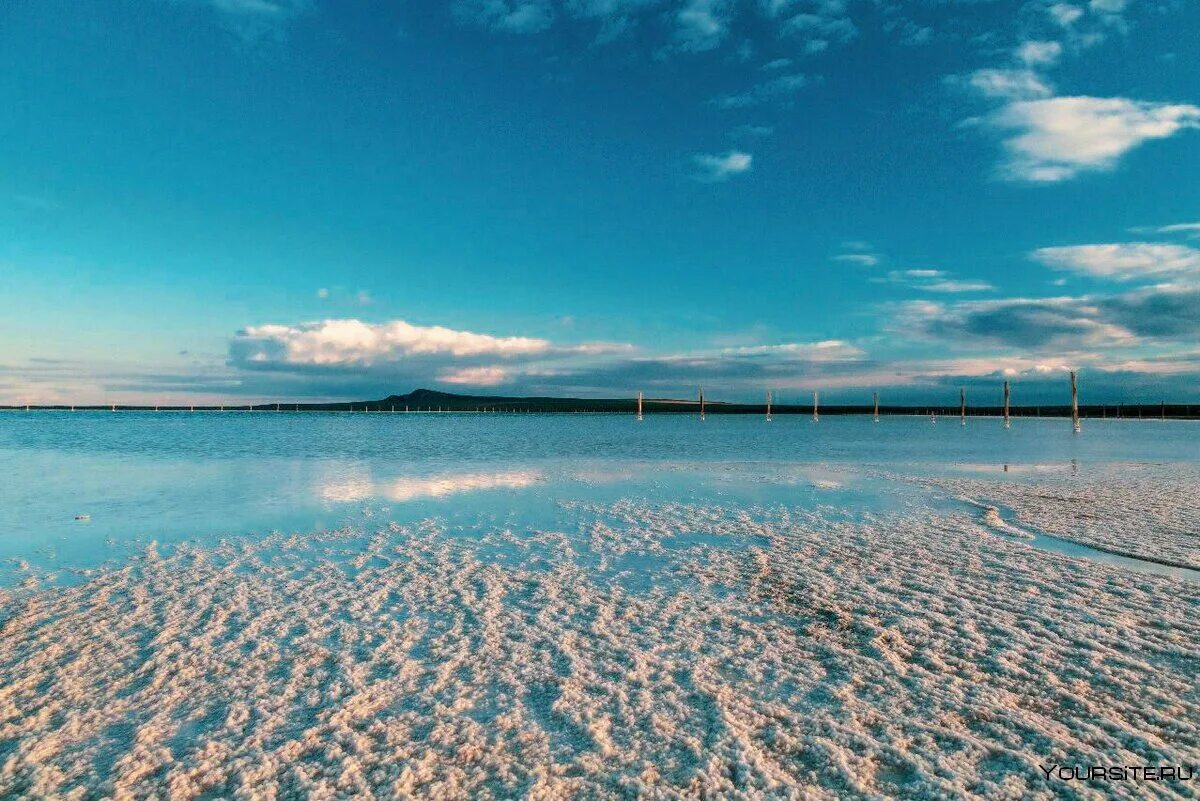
{"x": 1111, "y": 411}
{"x": 427, "y": 401}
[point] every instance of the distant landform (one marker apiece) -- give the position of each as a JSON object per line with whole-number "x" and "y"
{"x": 428, "y": 400}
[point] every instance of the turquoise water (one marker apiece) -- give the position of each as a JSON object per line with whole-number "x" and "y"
{"x": 135, "y": 477}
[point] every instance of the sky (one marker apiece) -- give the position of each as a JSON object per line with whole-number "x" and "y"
{"x": 251, "y": 200}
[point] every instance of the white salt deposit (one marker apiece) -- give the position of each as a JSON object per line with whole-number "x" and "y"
{"x": 644, "y": 650}
{"x": 1145, "y": 511}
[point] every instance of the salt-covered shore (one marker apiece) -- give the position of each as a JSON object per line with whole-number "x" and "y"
{"x": 659, "y": 650}
{"x": 1144, "y": 511}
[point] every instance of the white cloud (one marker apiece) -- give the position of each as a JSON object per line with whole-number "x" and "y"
{"x": 1191, "y": 229}
{"x": 1124, "y": 261}
{"x": 826, "y": 350}
{"x": 1010, "y": 84}
{"x": 475, "y": 376}
{"x": 1039, "y": 54}
{"x": 936, "y": 281}
{"x": 863, "y": 259}
{"x": 701, "y": 24}
{"x": 1165, "y": 315}
{"x": 1026, "y": 323}
{"x": 1056, "y": 138}
{"x": 1065, "y": 14}
{"x": 952, "y": 286}
{"x": 914, "y": 35}
{"x": 780, "y": 88}
{"x": 353, "y": 342}
{"x": 713, "y": 168}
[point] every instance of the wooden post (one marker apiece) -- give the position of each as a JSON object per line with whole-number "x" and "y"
{"x": 816, "y": 406}
{"x": 875, "y": 398}
{"x": 962, "y": 406}
{"x": 768, "y": 405}
{"x": 1074, "y": 403}
{"x": 1007, "y": 420}
{"x": 702, "y": 403}
{"x": 639, "y": 408}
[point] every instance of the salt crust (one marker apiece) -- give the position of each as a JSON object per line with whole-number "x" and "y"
{"x": 1145, "y": 511}
{"x": 776, "y": 653}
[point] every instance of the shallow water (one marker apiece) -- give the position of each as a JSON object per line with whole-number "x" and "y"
{"x": 585, "y": 606}
{"x": 138, "y": 477}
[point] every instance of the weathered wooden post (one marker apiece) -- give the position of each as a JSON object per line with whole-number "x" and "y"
{"x": 768, "y": 405}
{"x": 875, "y": 398}
{"x": 962, "y": 406}
{"x": 816, "y": 406}
{"x": 702, "y": 404}
{"x": 1074, "y": 403}
{"x": 639, "y": 408}
{"x": 1007, "y": 419}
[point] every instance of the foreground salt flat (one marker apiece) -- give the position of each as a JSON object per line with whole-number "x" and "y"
{"x": 676, "y": 649}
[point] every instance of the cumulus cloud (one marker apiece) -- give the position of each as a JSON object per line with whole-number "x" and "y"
{"x": 1163, "y": 313}
{"x": 1020, "y": 322}
{"x": 714, "y": 168}
{"x": 1056, "y": 138}
{"x": 1065, "y": 14}
{"x": 1038, "y": 53}
{"x": 1009, "y": 84}
{"x": 1171, "y": 312}
{"x": 357, "y": 359}
{"x": 1124, "y": 261}
{"x": 702, "y": 24}
{"x": 353, "y": 342}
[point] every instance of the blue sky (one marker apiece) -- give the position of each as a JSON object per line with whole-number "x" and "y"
{"x": 260, "y": 199}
